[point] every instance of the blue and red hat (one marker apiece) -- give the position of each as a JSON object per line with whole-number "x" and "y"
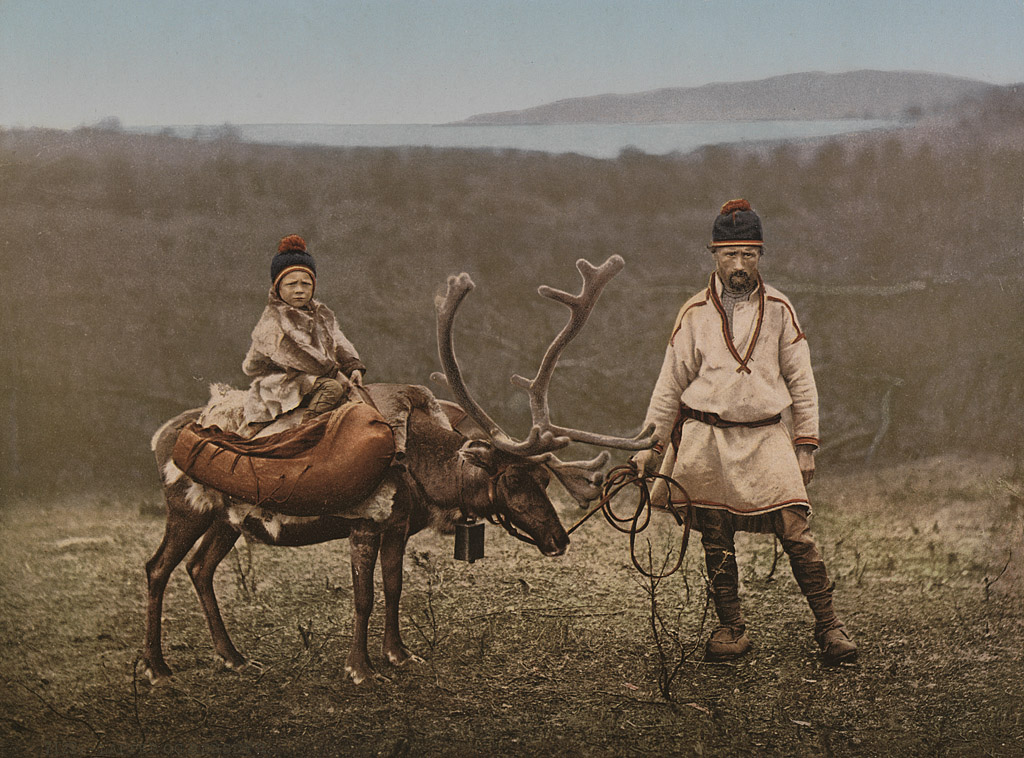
{"x": 291, "y": 256}
{"x": 737, "y": 224}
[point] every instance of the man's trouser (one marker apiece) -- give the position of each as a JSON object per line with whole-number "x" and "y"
{"x": 790, "y": 525}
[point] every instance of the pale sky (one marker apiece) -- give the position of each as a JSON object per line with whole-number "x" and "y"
{"x": 67, "y": 63}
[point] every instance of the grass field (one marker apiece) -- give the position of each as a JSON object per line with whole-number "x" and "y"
{"x": 527, "y": 655}
{"x": 150, "y": 258}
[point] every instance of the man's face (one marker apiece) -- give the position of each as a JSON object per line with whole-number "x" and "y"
{"x": 296, "y": 289}
{"x": 737, "y": 265}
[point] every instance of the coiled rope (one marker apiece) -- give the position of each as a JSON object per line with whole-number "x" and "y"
{"x": 681, "y": 509}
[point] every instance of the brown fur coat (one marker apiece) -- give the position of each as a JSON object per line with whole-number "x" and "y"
{"x": 291, "y": 348}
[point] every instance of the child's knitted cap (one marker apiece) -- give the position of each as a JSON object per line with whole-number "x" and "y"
{"x": 291, "y": 256}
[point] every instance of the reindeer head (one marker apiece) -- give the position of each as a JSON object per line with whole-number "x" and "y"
{"x": 510, "y": 490}
{"x": 582, "y": 479}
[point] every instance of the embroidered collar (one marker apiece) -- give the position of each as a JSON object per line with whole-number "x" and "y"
{"x": 716, "y": 300}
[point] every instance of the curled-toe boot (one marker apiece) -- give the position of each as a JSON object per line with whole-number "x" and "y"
{"x": 729, "y": 640}
{"x": 829, "y": 632}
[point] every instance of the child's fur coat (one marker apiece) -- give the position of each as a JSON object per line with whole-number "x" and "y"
{"x": 291, "y": 348}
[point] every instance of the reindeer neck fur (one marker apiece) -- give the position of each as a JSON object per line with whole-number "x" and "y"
{"x": 445, "y": 481}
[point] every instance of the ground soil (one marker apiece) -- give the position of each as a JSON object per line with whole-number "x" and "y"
{"x": 533, "y": 656}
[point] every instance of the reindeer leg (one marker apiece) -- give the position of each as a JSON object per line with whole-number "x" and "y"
{"x": 364, "y": 546}
{"x": 216, "y": 544}
{"x": 392, "y": 554}
{"x": 180, "y": 534}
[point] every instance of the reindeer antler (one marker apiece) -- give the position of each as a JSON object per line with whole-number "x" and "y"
{"x": 581, "y": 479}
{"x": 544, "y": 437}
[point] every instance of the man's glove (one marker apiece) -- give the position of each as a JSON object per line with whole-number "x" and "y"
{"x": 644, "y": 461}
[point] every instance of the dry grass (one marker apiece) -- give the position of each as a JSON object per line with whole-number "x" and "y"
{"x": 526, "y": 655}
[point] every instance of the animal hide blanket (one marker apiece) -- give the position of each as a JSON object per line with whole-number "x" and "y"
{"x": 327, "y": 466}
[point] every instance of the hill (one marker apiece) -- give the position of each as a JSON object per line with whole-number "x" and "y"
{"x": 806, "y": 96}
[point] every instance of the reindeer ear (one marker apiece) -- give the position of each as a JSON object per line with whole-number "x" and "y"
{"x": 480, "y": 453}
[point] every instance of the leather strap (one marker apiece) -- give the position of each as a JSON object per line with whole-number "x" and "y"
{"x": 713, "y": 419}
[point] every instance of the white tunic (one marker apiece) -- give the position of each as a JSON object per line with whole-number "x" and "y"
{"x": 761, "y": 369}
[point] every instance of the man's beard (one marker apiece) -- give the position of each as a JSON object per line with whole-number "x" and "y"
{"x": 740, "y": 281}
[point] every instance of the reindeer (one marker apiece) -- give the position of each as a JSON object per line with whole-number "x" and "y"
{"x": 444, "y": 476}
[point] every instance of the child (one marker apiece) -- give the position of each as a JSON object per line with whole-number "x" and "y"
{"x": 299, "y": 356}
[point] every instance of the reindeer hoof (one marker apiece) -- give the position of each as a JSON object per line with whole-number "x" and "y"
{"x": 359, "y": 673}
{"x": 157, "y": 675}
{"x": 233, "y": 663}
{"x": 402, "y": 656}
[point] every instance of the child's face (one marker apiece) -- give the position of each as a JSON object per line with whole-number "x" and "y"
{"x": 296, "y": 289}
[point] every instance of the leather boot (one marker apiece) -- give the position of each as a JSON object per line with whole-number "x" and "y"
{"x": 326, "y": 395}
{"x": 829, "y": 632}
{"x": 729, "y": 640}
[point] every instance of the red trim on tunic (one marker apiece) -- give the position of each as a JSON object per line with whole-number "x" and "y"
{"x": 807, "y": 441}
{"x": 764, "y": 509}
{"x": 760, "y": 321}
{"x": 716, "y": 301}
{"x": 679, "y": 321}
{"x": 796, "y": 327}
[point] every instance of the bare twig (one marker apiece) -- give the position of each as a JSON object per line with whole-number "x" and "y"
{"x": 135, "y": 706}
{"x": 428, "y": 628}
{"x": 306, "y": 633}
{"x": 990, "y": 582}
{"x": 245, "y": 577}
{"x": 52, "y": 709}
{"x": 671, "y": 651}
{"x": 894, "y": 382}
{"x": 1016, "y": 493}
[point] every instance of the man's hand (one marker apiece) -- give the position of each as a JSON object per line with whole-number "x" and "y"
{"x": 805, "y": 459}
{"x": 356, "y": 377}
{"x": 644, "y": 461}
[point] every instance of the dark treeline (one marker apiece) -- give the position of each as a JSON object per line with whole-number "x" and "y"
{"x": 134, "y": 268}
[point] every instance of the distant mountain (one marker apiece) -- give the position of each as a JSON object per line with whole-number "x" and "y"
{"x": 807, "y": 96}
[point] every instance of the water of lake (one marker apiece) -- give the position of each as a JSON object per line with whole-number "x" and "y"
{"x": 595, "y": 140}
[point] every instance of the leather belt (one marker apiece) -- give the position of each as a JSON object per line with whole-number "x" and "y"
{"x": 713, "y": 419}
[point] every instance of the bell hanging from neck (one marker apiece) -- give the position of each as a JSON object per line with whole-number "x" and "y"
{"x": 469, "y": 540}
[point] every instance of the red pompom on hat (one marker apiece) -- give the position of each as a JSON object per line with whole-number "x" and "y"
{"x": 731, "y": 206}
{"x": 291, "y": 242}
{"x": 737, "y": 224}
{"x": 291, "y": 256}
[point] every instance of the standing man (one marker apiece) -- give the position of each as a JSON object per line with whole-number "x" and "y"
{"x": 736, "y": 362}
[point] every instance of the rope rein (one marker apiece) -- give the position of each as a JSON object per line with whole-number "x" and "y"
{"x": 623, "y": 476}
{"x": 618, "y": 479}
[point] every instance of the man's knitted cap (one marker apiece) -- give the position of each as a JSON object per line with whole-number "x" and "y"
{"x": 291, "y": 256}
{"x": 737, "y": 224}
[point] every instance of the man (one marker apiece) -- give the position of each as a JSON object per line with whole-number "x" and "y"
{"x": 736, "y": 362}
